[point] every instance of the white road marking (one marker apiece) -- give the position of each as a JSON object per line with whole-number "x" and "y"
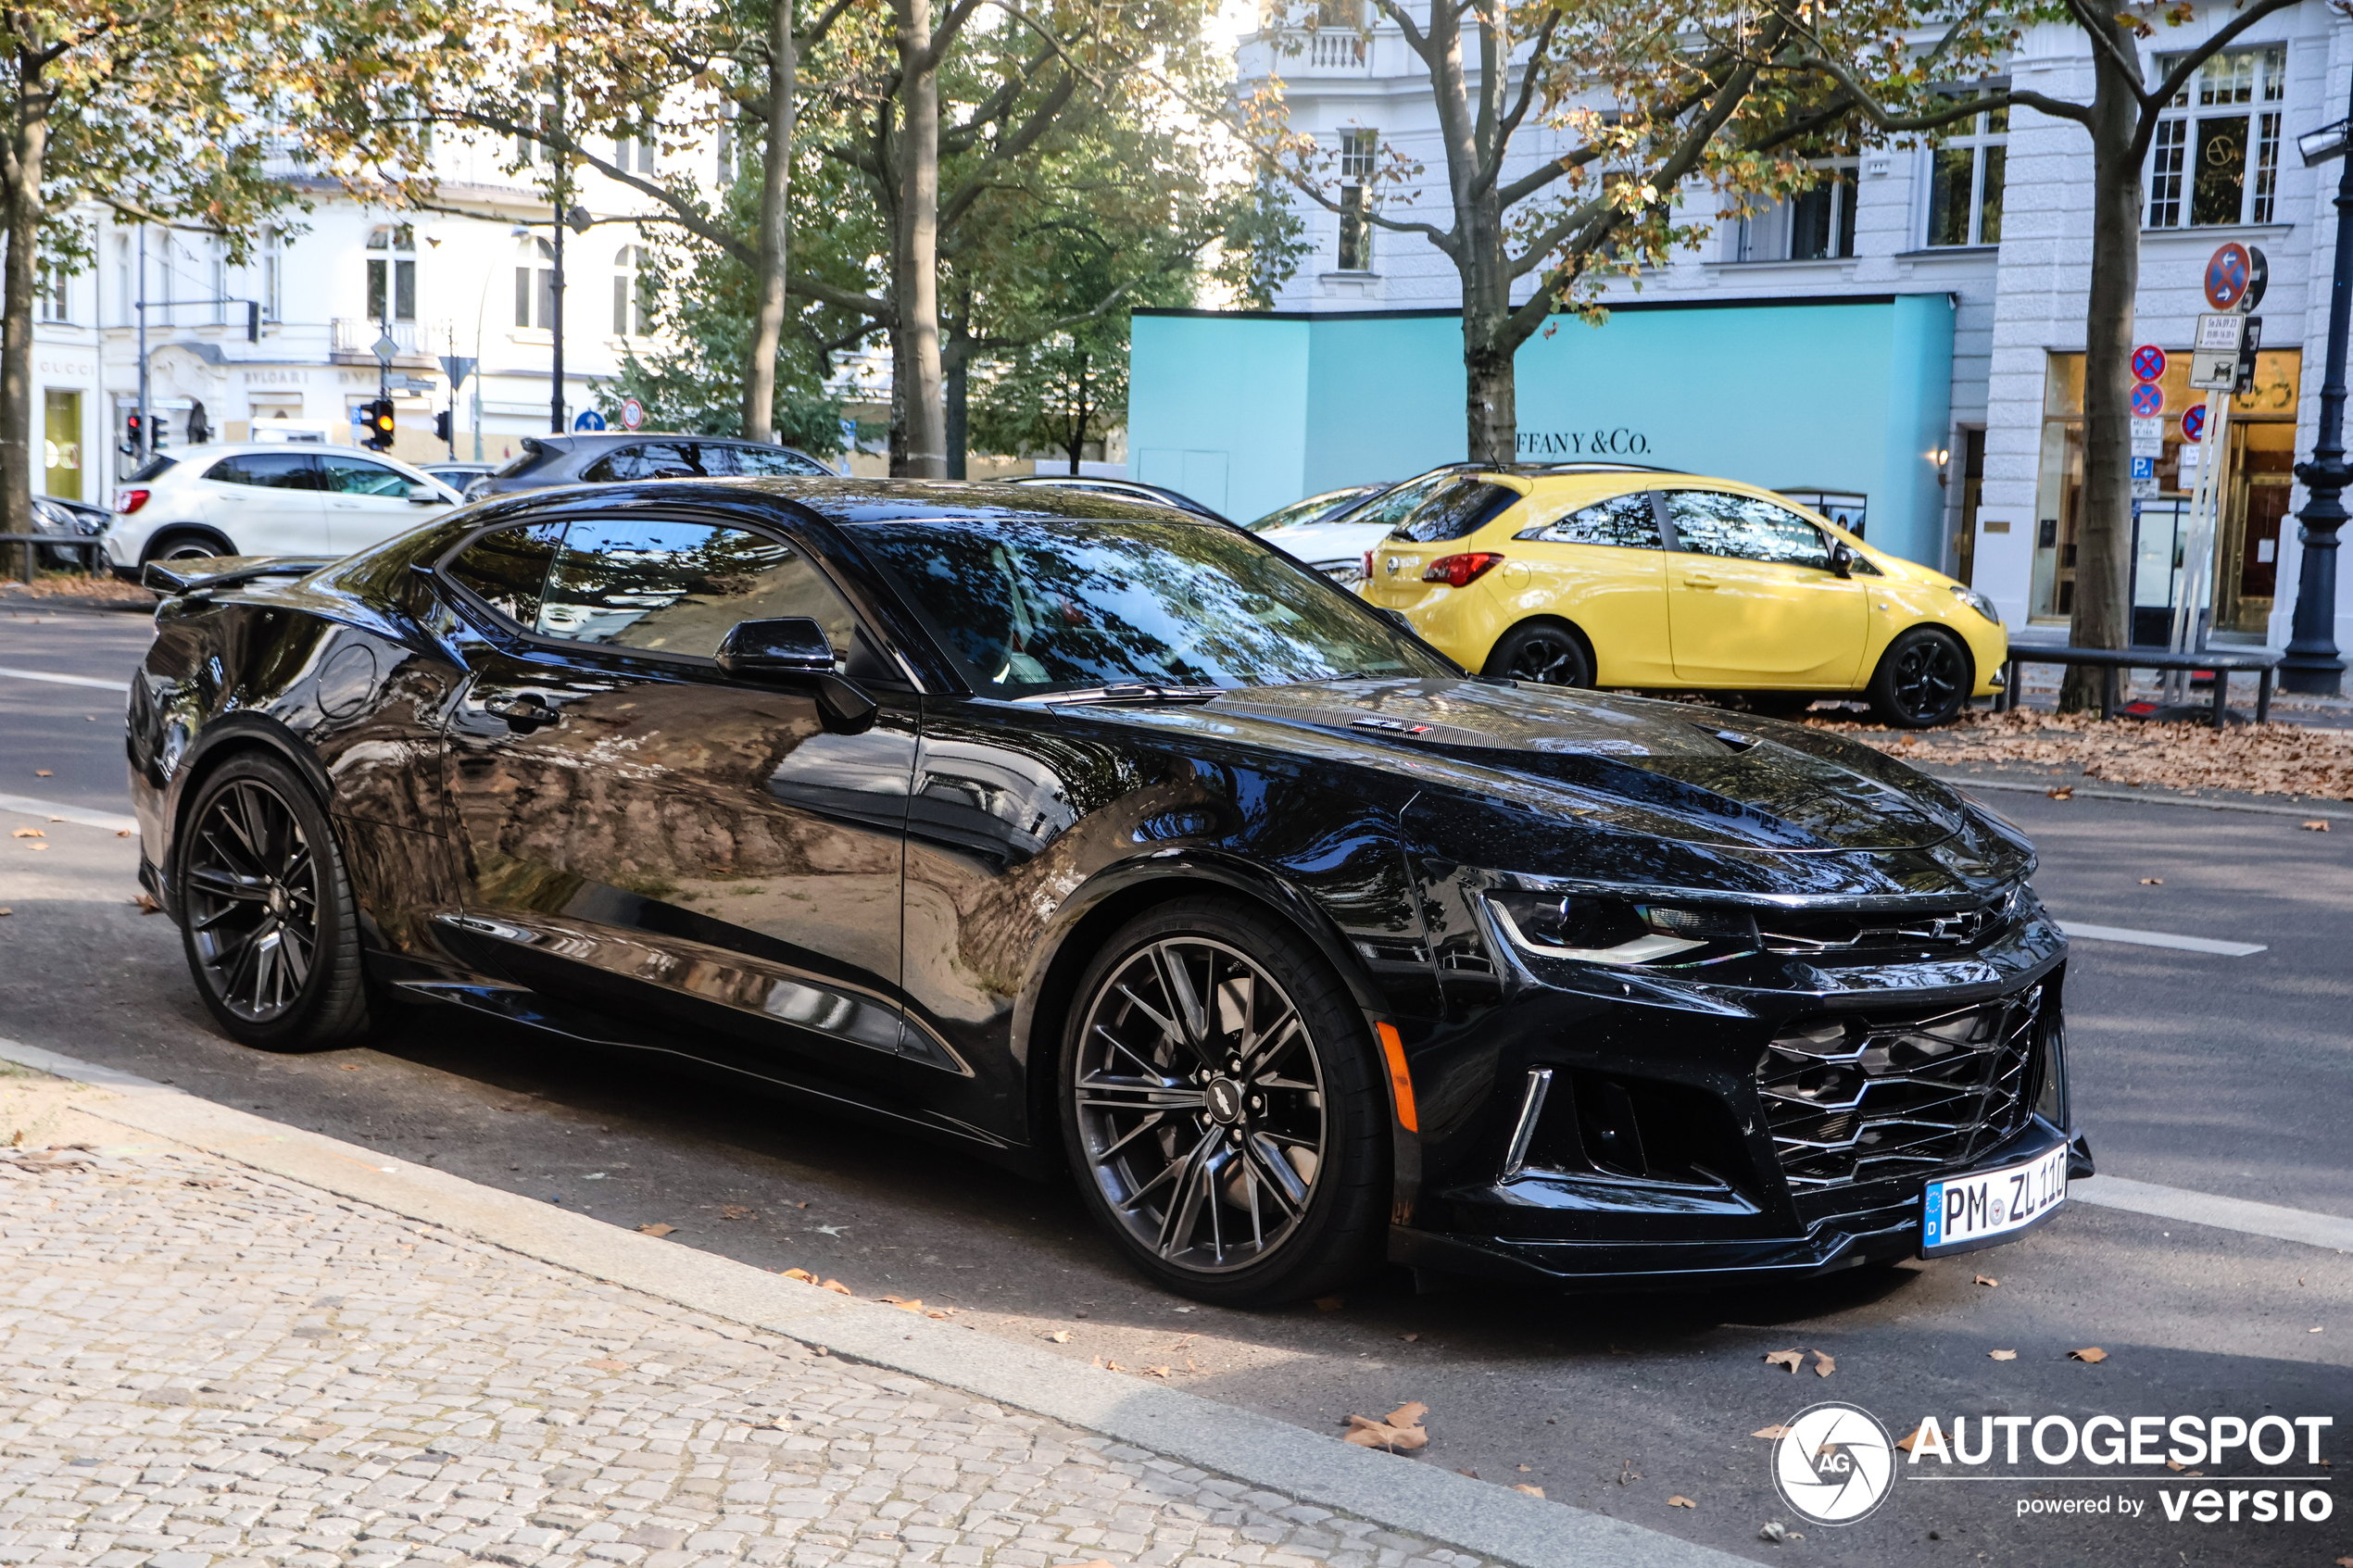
{"x": 65, "y": 680}
{"x": 2158, "y": 940}
{"x": 31, "y": 807}
{"x": 2223, "y": 1213}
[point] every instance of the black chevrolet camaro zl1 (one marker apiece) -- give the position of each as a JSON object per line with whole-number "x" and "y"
{"x": 1097, "y": 836}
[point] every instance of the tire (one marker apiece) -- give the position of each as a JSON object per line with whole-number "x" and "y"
{"x": 1546, "y": 652}
{"x": 267, "y": 920}
{"x": 1923, "y": 681}
{"x": 187, "y": 546}
{"x": 1273, "y": 1180}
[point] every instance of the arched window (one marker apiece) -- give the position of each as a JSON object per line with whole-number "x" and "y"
{"x": 392, "y": 273}
{"x": 536, "y": 284}
{"x": 632, "y": 293}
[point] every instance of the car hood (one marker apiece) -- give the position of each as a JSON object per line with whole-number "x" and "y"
{"x": 1314, "y": 542}
{"x": 1660, "y": 769}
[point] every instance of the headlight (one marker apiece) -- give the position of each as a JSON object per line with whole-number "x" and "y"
{"x": 1613, "y": 931}
{"x": 1978, "y": 602}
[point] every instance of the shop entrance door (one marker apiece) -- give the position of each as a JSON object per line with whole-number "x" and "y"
{"x": 61, "y": 445}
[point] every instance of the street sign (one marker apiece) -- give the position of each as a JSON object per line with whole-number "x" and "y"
{"x": 386, "y": 347}
{"x": 457, "y": 368}
{"x": 2144, "y": 478}
{"x": 2149, "y": 363}
{"x": 2259, "y": 277}
{"x": 2149, "y": 447}
{"x": 588, "y": 418}
{"x": 2214, "y": 361}
{"x": 2194, "y": 421}
{"x": 2148, "y": 399}
{"x": 2228, "y": 272}
{"x": 632, "y": 413}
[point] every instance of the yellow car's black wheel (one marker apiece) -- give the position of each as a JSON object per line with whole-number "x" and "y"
{"x": 1547, "y": 652}
{"x": 1923, "y": 681}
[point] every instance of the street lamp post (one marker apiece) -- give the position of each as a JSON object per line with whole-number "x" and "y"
{"x": 2312, "y": 663}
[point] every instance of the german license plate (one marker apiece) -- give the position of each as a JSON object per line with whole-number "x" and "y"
{"x": 1969, "y": 1210}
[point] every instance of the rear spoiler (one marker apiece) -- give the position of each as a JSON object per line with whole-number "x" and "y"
{"x": 224, "y": 571}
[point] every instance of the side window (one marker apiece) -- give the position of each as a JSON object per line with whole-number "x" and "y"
{"x": 678, "y": 588}
{"x": 766, "y": 462}
{"x": 267, "y": 470}
{"x": 716, "y": 458}
{"x": 621, "y": 464}
{"x": 655, "y": 460}
{"x": 1455, "y": 511}
{"x": 1712, "y": 523}
{"x": 1624, "y": 521}
{"x": 506, "y": 569}
{"x": 357, "y": 476}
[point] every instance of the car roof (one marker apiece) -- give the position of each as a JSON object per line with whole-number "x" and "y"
{"x": 856, "y": 500}
{"x": 598, "y": 440}
{"x": 202, "y": 456}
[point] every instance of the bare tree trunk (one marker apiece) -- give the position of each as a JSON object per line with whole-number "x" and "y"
{"x": 957, "y": 356}
{"x": 1078, "y": 422}
{"x": 20, "y": 164}
{"x": 915, "y": 260}
{"x": 775, "y": 226}
{"x": 2103, "y": 533}
{"x": 1491, "y": 385}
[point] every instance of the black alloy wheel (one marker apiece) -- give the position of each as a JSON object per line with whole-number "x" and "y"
{"x": 1923, "y": 681}
{"x": 265, "y": 910}
{"x": 1543, "y": 652}
{"x": 1221, "y": 1110}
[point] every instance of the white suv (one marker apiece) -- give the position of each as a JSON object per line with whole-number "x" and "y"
{"x": 267, "y": 499}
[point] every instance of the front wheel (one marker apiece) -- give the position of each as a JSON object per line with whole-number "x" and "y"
{"x": 1544, "y": 652}
{"x": 267, "y": 916}
{"x": 1923, "y": 681}
{"x": 1220, "y": 1107}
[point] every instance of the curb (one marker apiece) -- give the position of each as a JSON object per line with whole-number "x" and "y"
{"x": 1489, "y": 1521}
{"x": 1965, "y": 782}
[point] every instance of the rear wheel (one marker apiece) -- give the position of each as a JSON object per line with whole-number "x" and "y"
{"x": 1923, "y": 681}
{"x": 1221, "y": 1108}
{"x": 267, "y": 916}
{"x": 188, "y": 547}
{"x": 1546, "y": 652}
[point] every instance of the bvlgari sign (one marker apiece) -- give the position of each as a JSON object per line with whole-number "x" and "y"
{"x": 1617, "y": 442}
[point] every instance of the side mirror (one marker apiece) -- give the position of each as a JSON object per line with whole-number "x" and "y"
{"x": 794, "y": 651}
{"x": 423, "y": 496}
{"x": 1842, "y": 558}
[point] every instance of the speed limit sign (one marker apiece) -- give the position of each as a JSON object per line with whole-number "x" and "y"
{"x": 632, "y": 413}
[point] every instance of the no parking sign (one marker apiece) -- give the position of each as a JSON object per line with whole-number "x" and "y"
{"x": 2149, "y": 400}
{"x": 2149, "y": 363}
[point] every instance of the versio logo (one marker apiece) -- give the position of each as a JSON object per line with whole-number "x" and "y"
{"x": 1834, "y": 1464}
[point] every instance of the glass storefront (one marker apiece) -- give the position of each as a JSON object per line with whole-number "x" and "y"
{"x": 61, "y": 447}
{"x": 2260, "y": 457}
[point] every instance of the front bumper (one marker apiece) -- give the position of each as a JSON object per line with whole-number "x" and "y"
{"x": 1772, "y": 1118}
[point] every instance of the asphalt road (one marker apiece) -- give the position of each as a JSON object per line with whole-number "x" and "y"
{"x": 2229, "y": 1076}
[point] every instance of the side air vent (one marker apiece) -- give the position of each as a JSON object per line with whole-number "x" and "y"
{"x": 1591, "y": 1125}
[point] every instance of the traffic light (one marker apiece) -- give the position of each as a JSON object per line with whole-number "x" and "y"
{"x": 160, "y": 436}
{"x": 441, "y": 427}
{"x": 131, "y": 432}
{"x": 380, "y": 425}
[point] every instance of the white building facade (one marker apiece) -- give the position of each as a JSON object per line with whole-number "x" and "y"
{"x": 1996, "y": 224}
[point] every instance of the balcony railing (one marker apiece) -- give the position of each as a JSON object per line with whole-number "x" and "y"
{"x": 357, "y": 334}
{"x": 1341, "y": 50}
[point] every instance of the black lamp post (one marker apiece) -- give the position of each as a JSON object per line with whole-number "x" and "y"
{"x": 2312, "y": 663}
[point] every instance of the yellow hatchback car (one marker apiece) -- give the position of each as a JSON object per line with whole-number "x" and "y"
{"x": 1593, "y": 574}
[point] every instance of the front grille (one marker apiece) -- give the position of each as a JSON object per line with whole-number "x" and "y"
{"x": 1873, "y": 1099}
{"x": 1840, "y": 936}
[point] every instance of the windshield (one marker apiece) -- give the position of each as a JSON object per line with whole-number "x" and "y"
{"x": 1312, "y": 510}
{"x": 1030, "y": 605}
{"x": 151, "y": 469}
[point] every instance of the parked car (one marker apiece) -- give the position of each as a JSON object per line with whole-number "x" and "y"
{"x": 1314, "y": 508}
{"x": 1126, "y": 489}
{"x": 260, "y": 498}
{"x": 1087, "y": 835}
{"x": 1336, "y": 547}
{"x": 460, "y": 472}
{"x": 1639, "y": 578}
{"x": 70, "y": 520}
{"x": 608, "y": 456}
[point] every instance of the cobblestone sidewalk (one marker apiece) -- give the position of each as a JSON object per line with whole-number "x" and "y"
{"x": 203, "y": 1364}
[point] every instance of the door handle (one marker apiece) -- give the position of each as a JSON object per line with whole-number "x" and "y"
{"x": 528, "y": 708}
{"x": 1699, "y": 580}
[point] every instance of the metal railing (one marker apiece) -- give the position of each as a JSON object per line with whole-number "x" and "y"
{"x": 357, "y": 334}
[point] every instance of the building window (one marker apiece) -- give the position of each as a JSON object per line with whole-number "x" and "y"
{"x": 633, "y": 151}
{"x": 531, "y": 153}
{"x": 219, "y": 274}
{"x": 126, "y": 297}
{"x": 2216, "y": 158}
{"x": 535, "y": 287}
{"x": 1357, "y": 149}
{"x": 392, "y": 273}
{"x": 633, "y": 293}
{"x": 1965, "y": 181}
{"x": 272, "y": 272}
{"x": 49, "y": 285}
{"x": 1821, "y": 221}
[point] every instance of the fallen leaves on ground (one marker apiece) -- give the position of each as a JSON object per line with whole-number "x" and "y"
{"x": 1678, "y": 1501}
{"x": 145, "y": 904}
{"x": 904, "y": 1304}
{"x": 2273, "y": 759}
{"x": 1409, "y": 1338}
{"x": 1160, "y": 1372}
{"x": 1060, "y": 1337}
{"x": 1775, "y": 1431}
{"x": 347, "y": 1067}
{"x": 1906, "y": 1443}
{"x": 1524, "y": 1486}
{"x": 807, "y": 1278}
{"x": 2152, "y": 881}
{"x": 41, "y": 773}
{"x": 2090, "y": 1353}
{"x": 1773, "y": 1530}
{"x": 1399, "y": 1431}
{"x": 657, "y": 1228}
{"x": 5, "y": 911}
{"x": 1790, "y": 1359}
{"x": 734, "y": 1212}
{"x": 122, "y": 833}
{"x": 2317, "y": 824}
{"x": 27, "y": 832}
{"x": 1986, "y": 1280}
{"x": 1823, "y": 1365}
{"x": 2061, "y": 792}
{"x": 2003, "y": 1355}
